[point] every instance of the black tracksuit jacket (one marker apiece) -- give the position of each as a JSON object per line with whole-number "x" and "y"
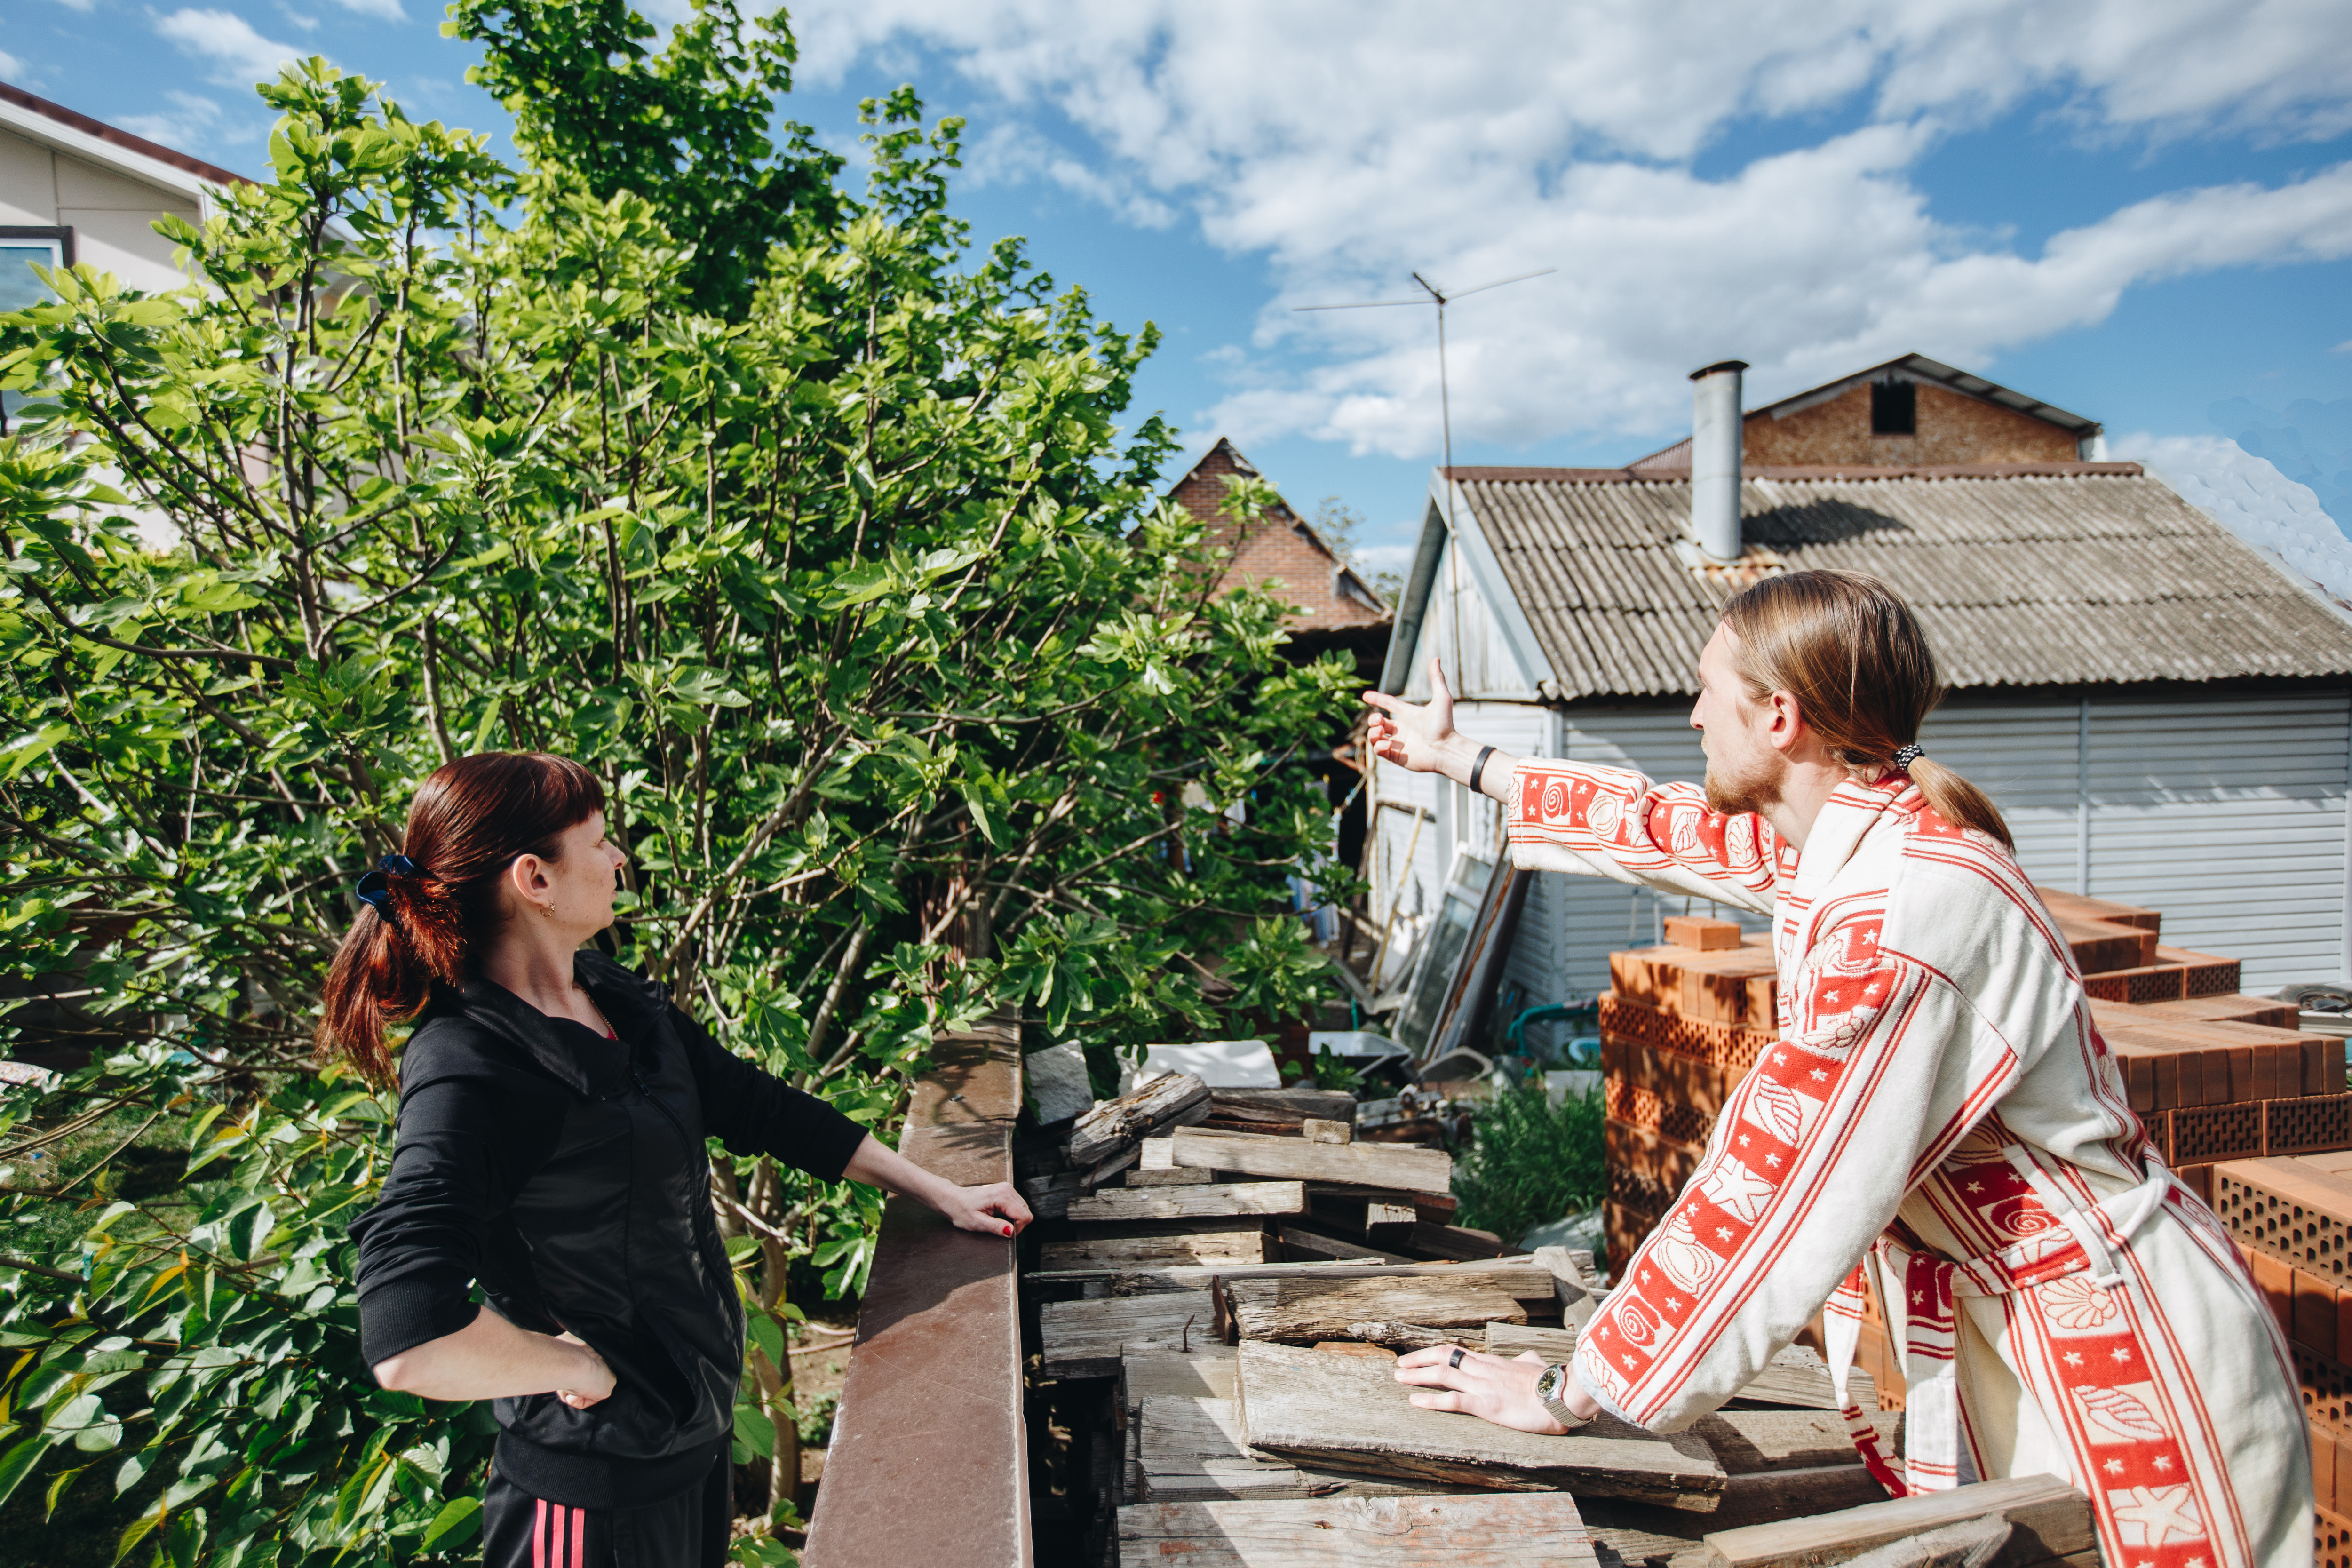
{"x": 566, "y": 1172}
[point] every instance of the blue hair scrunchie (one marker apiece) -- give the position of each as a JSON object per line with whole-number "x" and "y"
{"x": 374, "y": 889}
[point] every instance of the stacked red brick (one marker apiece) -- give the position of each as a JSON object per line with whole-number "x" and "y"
{"x": 2292, "y": 1216}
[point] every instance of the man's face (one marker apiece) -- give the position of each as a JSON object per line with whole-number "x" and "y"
{"x": 1743, "y": 767}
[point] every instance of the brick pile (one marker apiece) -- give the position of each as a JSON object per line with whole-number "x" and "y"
{"x": 2213, "y": 1074}
{"x": 2292, "y": 1216}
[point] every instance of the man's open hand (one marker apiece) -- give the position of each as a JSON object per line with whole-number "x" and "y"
{"x": 1415, "y": 736}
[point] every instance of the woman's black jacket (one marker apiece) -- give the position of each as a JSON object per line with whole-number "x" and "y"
{"x": 566, "y": 1172}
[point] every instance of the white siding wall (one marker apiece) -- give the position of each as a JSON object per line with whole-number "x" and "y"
{"x": 2230, "y": 819}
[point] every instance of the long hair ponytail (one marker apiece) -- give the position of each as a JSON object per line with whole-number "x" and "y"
{"x": 1855, "y": 656}
{"x": 467, "y": 824}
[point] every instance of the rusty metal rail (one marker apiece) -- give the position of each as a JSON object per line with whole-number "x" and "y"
{"x": 929, "y": 1462}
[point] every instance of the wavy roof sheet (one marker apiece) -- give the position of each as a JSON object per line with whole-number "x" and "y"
{"x": 2057, "y": 575}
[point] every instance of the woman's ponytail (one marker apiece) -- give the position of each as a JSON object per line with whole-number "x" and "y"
{"x": 426, "y": 914}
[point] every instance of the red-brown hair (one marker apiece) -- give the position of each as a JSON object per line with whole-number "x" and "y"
{"x": 467, "y": 824}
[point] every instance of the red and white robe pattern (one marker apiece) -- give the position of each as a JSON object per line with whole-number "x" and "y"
{"x": 1940, "y": 1113}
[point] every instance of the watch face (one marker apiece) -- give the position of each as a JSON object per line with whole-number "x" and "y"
{"x": 1547, "y": 1385}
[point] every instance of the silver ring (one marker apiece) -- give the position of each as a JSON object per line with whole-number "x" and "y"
{"x": 1455, "y": 1359}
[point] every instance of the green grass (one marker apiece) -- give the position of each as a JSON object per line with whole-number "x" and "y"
{"x": 1529, "y": 1163}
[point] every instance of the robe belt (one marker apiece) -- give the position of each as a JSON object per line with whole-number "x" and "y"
{"x": 1932, "y": 1284}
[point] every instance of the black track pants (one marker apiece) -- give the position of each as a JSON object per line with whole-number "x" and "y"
{"x": 687, "y": 1531}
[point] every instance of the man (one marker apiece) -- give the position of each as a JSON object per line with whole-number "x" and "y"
{"x": 1939, "y": 1112}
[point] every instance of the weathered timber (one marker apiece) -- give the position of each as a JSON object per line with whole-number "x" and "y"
{"x": 1798, "y": 1379}
{"x": 1283, "y": 1105}
{"x": 1344, "y": 1412}
{"x": 1388, "y": 1223}
{"x": 1391, "y": 1165}
{"x": 1516, "y": 1277}
{"x": 1328, "y": 1131}
{"x": 1300, "y": 1245}
{"x": 1159, "y": 1153}
{"x": 1750, "y": 1442}
{"x": 1191, "y": 1203}
{"x": 1402, "y": 1336}
{"x": 1207, "y": 1373}
{"x": 1300, "y": 1312}
{"x": 1190, "y": 1449}
{"x": 1171, "y": 1177}
{"x": 1237, "y": 1246}
{"x": 1086, "y": 1339}
{"x": 1530, "y": 1530}
{"x": 1508, "y": 1340}
{"x": 1457, "y": 1241}
{"x": 1971, "y": 1543}
{"x": 1115, "y": 1124}
{"x": 2047, "y": 1519}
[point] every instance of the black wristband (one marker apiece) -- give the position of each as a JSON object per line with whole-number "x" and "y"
{"x": 1480, "y": 767}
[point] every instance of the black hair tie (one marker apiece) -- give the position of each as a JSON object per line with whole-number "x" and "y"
{"x": 374, "y": 889}
{"x": 1905, "y": 755}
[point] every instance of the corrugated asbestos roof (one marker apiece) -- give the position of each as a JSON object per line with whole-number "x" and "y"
{"x": 2060, "y": 574}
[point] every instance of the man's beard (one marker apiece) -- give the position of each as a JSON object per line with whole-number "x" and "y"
{"x": 1737, "y": 793}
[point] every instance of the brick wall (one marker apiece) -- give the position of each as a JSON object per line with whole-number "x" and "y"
{"x": 1278, "y": 550}
{"x": 1951, "y": 429}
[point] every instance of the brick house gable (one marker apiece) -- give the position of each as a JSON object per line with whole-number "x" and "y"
{"x": 1280, "y": 548}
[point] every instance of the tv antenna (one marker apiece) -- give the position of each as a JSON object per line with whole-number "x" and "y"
{"x": 1433, "y": 295}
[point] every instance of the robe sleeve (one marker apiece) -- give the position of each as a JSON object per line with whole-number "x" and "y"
{"x": 1808, "y": 1163}
{"x": 1612, "y": 821}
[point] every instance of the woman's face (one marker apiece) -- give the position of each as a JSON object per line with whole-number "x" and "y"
{"x": 573, "y": 893}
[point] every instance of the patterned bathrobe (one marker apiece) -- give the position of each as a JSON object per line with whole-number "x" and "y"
{"x": 1939, "y": 1112}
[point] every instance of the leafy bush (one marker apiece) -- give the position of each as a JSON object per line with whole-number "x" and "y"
{"x": 815, "y": 539}
{"x": 1529, "y": 1162}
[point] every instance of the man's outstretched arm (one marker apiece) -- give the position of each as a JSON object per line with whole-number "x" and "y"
{"x": 1420, "y": 737}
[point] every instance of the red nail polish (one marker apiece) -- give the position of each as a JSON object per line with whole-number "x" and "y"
{"x": 1008, "y": 1231}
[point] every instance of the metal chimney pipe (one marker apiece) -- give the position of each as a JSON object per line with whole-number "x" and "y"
{"x": 1716, "y": 436}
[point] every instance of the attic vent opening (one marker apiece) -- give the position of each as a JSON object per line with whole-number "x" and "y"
{"x": 1894, "y": 408}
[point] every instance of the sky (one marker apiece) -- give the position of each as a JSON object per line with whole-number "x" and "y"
{"x": 2137, "y": 210}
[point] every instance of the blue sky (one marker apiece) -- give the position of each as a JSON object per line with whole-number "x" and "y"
{"x": 2136, "y": 212}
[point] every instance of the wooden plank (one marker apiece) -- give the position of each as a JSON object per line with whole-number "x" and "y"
{"x": 1749, "y": 1442}
{"x": 1116, "y": 1124}
{"x": 1207, "y": 1373}
{"x": 1517, "y": 1339}
{"x": 1191, "y": 1203}
{"x": 2047, "y": 1517}
{"x": 1086, "y": 1338}
{"x": 1189, "y": 1450}
{"x": 1301, "y": 1245}
{"x": 1393, "y": 1337}
{"x": 1455, "y": 1241}
{"x": 1300, "y": 1312}
{"x": 1529, "y": 1529}
{"x": 1328, "y": 1131}
{"x": 1344, "y": 1412}
{"x": 1518, "y": 1278}
{"x": 1393, "y": 1165}
{"x": 1236, "y": 1246}
{"x": 1283, "y": 1105}
{"x": 1168, "y": 1178}
{"x": 1799, "y": 1379}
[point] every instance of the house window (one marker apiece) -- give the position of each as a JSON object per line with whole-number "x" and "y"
{"x": 1894, "y": 408}
{"x": 21, "y": 250}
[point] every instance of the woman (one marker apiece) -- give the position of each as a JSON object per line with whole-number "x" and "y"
{"x": 554, "y": 1112}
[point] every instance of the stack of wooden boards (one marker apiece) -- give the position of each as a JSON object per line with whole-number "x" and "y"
{"x": 2292, "y": 1218}
{"x": 1256, "y": 1420}
{"x": 2213, "y": 1074}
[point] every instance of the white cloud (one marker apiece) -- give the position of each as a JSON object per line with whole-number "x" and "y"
{"x": 2248, "y": 496}
{"x": 190, "y": 117}
{"x": 235, "y": 54}
{"x": 11, "y": 67}
{"x": 382, "y": 10}
{"x": 1348, "y": 142}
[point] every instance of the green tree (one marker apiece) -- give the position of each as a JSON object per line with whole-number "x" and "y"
{"x": 851, "y": 591}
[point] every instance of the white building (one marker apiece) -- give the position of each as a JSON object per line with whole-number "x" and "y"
{"x": 2163, "y": 716}
{"x": 74, "y": 189}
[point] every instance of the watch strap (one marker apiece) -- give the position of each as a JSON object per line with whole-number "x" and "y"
{"x": 1549, "y": 1388}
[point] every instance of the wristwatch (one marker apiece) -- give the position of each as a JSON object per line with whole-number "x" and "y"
{"x": 1549, "y": 1388}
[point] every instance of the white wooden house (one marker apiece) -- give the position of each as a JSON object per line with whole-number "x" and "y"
{"x": 2163, "y": 716}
